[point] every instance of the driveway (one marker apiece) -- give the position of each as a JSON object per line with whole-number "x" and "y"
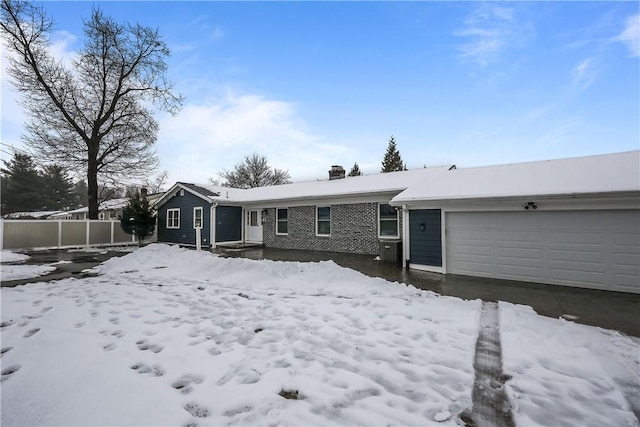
{"x": 68, "y": 262}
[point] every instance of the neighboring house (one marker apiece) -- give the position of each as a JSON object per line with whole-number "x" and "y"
{"x": 573, "y": 222}
{"x": 107, "y": 210}
{"x": 31, "y": 215}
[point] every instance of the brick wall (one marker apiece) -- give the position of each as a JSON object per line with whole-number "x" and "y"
{"x": 354, "y": 229}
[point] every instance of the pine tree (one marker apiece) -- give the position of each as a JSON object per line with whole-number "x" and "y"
{"x": 22, "y": 185}
{"x": 355, "y": 170}
{"x": 138, "y": 217}
{"x": 58, "y": 188}
{"x": 392, "y": 161}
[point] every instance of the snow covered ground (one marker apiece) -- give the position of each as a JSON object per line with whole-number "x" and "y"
{"x": 18, "y": 271}
{"x": 167, "y": 336}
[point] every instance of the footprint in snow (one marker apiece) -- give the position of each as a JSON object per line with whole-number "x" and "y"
{"x": 196, "y": 410}
{"x": 80, "y": 324}
{"x": 184, "y": 384}
{"x": 109, "y": 347}
{"x": 145, "y": 345}
{"x": 143, "y": 368}
{"x": 7, "y": 372}
{"x": 45, "y": 309}
{"x": 4, "y": 350}
{"x": 6, "y": 323}
{"x": 31, "y": 332}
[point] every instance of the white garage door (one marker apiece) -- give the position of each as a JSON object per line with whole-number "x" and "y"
{"x": 593, "y": 249}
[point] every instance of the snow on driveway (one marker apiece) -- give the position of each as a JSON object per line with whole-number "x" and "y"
{"x": 167, "y": 336}
{"x": 17, "y": 271}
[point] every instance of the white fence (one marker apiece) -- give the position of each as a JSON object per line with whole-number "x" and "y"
{"x": 28, "y": 234}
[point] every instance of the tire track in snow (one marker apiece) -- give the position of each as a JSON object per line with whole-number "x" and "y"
{"x": 491, "y": 406}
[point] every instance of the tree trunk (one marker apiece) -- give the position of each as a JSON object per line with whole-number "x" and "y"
{"x": 92, "y": 183}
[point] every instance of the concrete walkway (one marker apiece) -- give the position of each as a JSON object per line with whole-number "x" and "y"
{"x": 606, "y": 309}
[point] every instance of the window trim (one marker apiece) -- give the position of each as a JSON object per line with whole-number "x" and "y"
{"x": 397, "y": 235}
{"x": 177, "y": 217}
{"x": 278, "y": 221}
{"x": 324, "y": 220}
{"x": 198, "y": 208}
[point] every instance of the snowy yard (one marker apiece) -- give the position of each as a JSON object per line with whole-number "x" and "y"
{"x": 167, "y": 336}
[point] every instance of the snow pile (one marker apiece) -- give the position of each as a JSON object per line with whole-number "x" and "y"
{"x": 16, "y": 272}
{"x": 167, "y": 336}
{"x": 10, "y": 256}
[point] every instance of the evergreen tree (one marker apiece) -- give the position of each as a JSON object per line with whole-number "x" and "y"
{"x": 58, "y": 188}
{"x": 138, "y": 217}
{"x": 80, "y": 198}
{"x": 22, "y": 185}
{"x": 392, "y": 161}
{"x": 355, "y": 170}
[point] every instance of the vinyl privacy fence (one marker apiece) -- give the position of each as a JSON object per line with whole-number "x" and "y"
{"x": 26, "y": 234}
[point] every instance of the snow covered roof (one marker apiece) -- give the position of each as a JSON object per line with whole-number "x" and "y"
{"x": 608, "y": 173}
{"x": 104, "y": 206}
{"x": 36, "y": 215}
{"x": 344, "y": 187}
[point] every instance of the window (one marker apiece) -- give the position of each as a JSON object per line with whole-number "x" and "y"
{"x": 101, "y": 216}
{"x": 282, "y": 216}
{"x": 323, "y": 221}
{"x": 173, "y": 218}
{"x": 388, "y": 226}
{"x": 253, "y": 218}
{"x": 197, "y": 217}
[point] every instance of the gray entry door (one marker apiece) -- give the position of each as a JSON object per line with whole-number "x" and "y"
{"x": 425, "y": 237}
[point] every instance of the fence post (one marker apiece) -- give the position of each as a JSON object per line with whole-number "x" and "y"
{"x": 88, "y": 231}
{"x": 198, "y": 238}
{"x": 112, "y": 233}
{"x": 1, "y": 234}
{"x": 59, "y": 233}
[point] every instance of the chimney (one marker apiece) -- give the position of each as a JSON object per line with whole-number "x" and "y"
{"x": 336, "y": 172}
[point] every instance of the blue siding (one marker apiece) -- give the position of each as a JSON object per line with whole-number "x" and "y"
{"x": 228, "y": 223}
{"x": 425, "y": 231}
{"x": 186, "y": 234}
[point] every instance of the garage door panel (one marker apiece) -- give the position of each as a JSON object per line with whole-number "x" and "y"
{"x": 598, "y": 249}
{"x": 584, "y": 256}
{"x": 513, "y": 252}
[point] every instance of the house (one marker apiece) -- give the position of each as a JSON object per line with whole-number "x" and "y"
{"x": 107, "y": 210}
{"x": 572, "y": 222}
{"x": 31, "y": 215}
{"x": 343, "y": 214}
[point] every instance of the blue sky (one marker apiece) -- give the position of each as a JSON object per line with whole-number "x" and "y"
{"x": 313, "y": 84}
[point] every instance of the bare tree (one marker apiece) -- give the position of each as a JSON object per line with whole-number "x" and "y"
{"x": 254, "y": 171}
{"x": 157, "y": 183}
{"x": 94, "y": 114}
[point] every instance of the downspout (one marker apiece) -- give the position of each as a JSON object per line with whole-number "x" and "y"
{"x": 406, "y": 256}
{"x": 212, "y": 225}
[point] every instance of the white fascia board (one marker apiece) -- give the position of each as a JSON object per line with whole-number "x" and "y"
{"x": 618, "y": 200}
{"x": 377, "y": 197}
{"x": 178, "y": 186}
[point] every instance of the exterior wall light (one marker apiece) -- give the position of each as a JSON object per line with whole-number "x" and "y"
{"x": 531, "y": 205}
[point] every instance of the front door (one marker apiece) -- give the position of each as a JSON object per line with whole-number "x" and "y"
{"x": 254, "y": 226}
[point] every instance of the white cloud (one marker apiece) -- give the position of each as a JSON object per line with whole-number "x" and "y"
{"x": 584, "y": 74}
{"x": 490, "y": 29}
{"x": 631, "y": 35}
{"x": 203, "y": 139}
